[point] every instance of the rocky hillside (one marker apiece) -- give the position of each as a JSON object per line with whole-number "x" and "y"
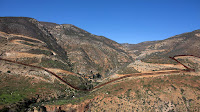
{"x": 161, "y": 94}
{"x": 90, "y": 54}
{"x": 156, "y": 51}
{"x": 38, "y": 58}
{"x": 27, "y": 41}
{"x": 166, "y": 93}
{"x": 63, "y": 49}
{"x": 31, "y": 28}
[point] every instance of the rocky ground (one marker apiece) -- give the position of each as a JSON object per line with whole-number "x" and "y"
{"x": 177, "y": 92}
{"x": 163, "y": 92}
{"x": 85, "y": 61}
{"x": 149, "y": 67}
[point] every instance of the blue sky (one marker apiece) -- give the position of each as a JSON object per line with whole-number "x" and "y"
{"x": 124, "y": 21}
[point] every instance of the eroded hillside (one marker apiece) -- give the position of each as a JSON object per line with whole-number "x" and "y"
{"x": 90, "y": 54}
{"x": 52, "y": 67}
{"x": 159, "y": 51}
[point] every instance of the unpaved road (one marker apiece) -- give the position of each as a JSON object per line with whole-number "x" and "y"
{"x": 187, "y": 69}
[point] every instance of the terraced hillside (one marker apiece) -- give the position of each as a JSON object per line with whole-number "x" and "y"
{"x": 31, "y": 42}
{"x": 25, "y": 40}
{"x": 51, "y": 67}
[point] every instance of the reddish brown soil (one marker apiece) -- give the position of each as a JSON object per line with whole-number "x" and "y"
{"x": 187, "y": 69}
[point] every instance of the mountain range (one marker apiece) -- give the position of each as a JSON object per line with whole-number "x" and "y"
{"x": 38, "y": 58}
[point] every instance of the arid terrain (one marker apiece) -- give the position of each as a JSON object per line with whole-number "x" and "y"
{"x": 60, "y": 67}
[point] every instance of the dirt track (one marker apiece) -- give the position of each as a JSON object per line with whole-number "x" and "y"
{"x": 187, "y": 69}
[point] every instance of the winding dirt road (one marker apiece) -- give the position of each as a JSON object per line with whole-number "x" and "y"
{"x": 187, "y": 69}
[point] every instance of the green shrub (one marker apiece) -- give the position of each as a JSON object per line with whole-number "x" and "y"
{"x": 48, "y": 63}
{"x": 6, "y": 98}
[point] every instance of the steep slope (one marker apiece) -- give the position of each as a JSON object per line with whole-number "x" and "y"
{"x": 25, "y": 40}
{"x": 90, "y": 54}
{"x": 21, "y": 34}
{"x": 38, "y": 44}
{"x": 28, "y": 27}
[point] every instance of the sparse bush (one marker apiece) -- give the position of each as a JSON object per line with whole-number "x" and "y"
{"x": 40, "y": 51}
{"x": 182, "y": 90}
{"x": 54, "y": 64}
